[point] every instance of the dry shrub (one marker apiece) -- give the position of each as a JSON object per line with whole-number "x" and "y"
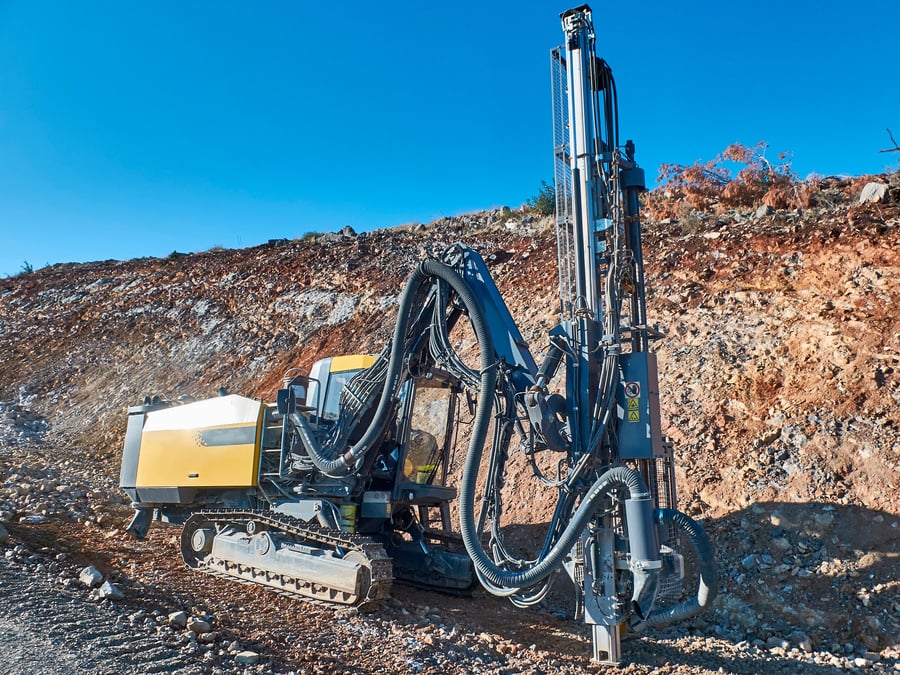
{"x": 710, "y": 186}
{"x": 689, "y": 220}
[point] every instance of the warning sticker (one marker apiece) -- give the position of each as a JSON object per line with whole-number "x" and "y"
{"x": 632, "y": 389}
{"x": 634, "y": 416}
{"x": 633, "y": 404}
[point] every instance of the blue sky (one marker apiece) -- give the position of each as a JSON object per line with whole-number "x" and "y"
{"x": 136, "y": 129}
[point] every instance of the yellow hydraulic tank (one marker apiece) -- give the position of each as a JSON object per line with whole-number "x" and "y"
{"x": 210, "y": 443}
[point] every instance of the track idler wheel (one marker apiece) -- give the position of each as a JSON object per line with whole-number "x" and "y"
{"x": 196, "y": 540}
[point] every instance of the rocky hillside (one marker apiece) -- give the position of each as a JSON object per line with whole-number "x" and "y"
{"x": 779, "y": 373}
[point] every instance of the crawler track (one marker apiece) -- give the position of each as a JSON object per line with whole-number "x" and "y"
{"x": 374, "y": 579}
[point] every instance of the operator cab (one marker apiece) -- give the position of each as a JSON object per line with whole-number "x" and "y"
{"x": 327, "y": 380}
{"x": 419, "y": 443}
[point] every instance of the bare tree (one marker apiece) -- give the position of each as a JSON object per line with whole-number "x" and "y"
{"x": 896, "y": 147}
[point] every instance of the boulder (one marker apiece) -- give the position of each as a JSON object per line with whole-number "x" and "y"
{"x": 90, "y": 576}
{"x": 247, "y": 658}
{"x": 110, "y": 591}
{"x": 874, "y": 193}
{"x": 178, "y": 619}
{"x": 198, "y": 626}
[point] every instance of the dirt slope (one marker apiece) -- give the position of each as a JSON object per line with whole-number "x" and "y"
{"x": 780, "y": 387}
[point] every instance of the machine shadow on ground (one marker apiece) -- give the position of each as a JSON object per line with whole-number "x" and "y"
{"x": 828, "y": 571}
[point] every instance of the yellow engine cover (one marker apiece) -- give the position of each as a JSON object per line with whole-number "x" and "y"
{"x": 211, "y": 443}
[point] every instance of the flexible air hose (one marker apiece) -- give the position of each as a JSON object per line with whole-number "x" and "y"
{"x": 708, "y": 586}
{"x": 618, "y": 477}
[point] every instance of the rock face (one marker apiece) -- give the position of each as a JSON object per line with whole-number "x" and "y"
{"x": 780, "y": 381}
